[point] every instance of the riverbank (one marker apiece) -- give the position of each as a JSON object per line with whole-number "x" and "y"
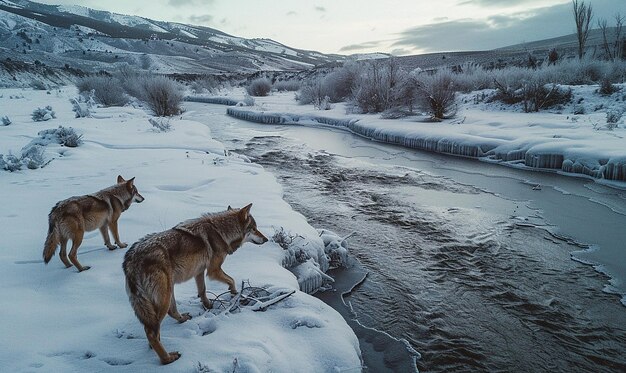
{"x": 56, "y": 319}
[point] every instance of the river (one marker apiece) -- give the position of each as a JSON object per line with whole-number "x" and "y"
{"x": 470, "y": 262}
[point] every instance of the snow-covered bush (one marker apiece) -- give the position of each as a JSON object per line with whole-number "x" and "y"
{"x": 160, "y": 124}
{"x": 323, "y": 104}
{"x": 259, "y": 87}
{"x": 205, "y": 84}
{"x": 473, "y": 77}
{"x": 283, "y": 238}
{"x": 376, "y": 87}
{"x": 311, "y": 91}
{"x": 43, "y": 114}
{"x": 11, "y": 163}
{"x": 65, "y": 136}
{"x": 163, "y": 95}
{"x": 5, "y": 121}
{"x": 248, "y": 100}
{"x": 612, "y": 118}
{"x": 437, "y": 93}
{"x": 81, "y": 109}
{"x": 107, "y": 90}
{"x": 607, "y": 87}
{"x": 286, "y": 86}
{"x": 32, "y": 157}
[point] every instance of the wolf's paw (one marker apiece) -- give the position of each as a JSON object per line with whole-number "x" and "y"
{"x": 171, "y": 357}
{"x": 184, "y": 317}
{"x": 84, "y": 268}
{"x": 207, "y": 304}
{"x": 233, "y": 291}
{"x": 122, "y": 245}
{"x": 111, "y": 247}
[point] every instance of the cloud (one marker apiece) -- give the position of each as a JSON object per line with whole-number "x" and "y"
{"x": 320, "y": 9}
{"x": 178, "y": 3}
{"x": 492, "y": 32}
{"x": 360, "y": 46}
{"x": 201, "y": 19}
{"x": 292, "y": 13}
{"x": 495, "y": 3}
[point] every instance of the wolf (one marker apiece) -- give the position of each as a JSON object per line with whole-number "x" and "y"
{"x": 71, "y": 218}
{"x": 158, "y": 261}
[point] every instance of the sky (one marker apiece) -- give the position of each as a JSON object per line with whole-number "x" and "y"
{"x": 399, "y": 27}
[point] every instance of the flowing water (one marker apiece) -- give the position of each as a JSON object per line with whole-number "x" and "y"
{"x": 469, "y": 262}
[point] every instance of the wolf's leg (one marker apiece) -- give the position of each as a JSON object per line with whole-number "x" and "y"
{"x": 105, "y": 235}
{"x": 153, "y": 334}
{"x": 173, "y": 311}
{"x": 63, "y": 253}
{"x": 202, "y": 291}
{"x": 76, "y": 241}
{"x": 215, "y": 272}
{"x": 116, "y": 234}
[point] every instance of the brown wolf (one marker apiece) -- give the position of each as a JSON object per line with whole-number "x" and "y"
{"x": 158, "y": 261}
{"x": 71, "y": 218}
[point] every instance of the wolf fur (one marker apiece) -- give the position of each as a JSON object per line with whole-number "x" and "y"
{"x": 158, "y": 261}
{"x": 71, "y": 218}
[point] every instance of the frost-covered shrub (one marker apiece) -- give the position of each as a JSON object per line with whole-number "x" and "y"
{"x": 32, "y": 157}
{"x": 80, "y": 109}
{"x": 107, "y": 90}
{"x": 323, "y": 104}
{"x": 5, "y": 121}
{"x": 160, "y": 124}
{"x": 607, "y": 87}
{"x": 248, "y": 100}
{"x": 65, "y": 136}
{"x": 163, "y": 95}
{"x": 473, "y": 77}
{"x": 533, "y": 91}
{"x": 43, "y": 114}
{"x": 283, "y": 238}
{"x": 374, "y": 90}
{"x": 286, "y": 86}
{"x": 311, "y": 91}
{"x": 437, "y": 93}
{"x": 11, "y": 163}
{"x": 205, "y": 84}
{"x": 259, "y": 87}
{"x": 612, "y": 117}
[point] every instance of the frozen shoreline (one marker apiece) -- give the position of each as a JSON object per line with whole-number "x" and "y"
{"x": 61, "y": 320}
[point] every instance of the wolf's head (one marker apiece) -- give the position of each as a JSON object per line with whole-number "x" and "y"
{"x": 251, "y": 233}
{"x": 132, "y": 189}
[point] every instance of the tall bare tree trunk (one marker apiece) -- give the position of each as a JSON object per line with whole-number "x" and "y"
{"x": 582, "y": 17}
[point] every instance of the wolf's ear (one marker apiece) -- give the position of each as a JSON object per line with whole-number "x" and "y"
{"x": 130, "y": 182}
{"x": 245, "y": 211}
{"x": 229, "y": 208}
{"x": 120, "y": 179}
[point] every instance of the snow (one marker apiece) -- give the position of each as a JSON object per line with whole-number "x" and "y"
{"x": 551, "y": 140}
{"x": 60, "y": 320}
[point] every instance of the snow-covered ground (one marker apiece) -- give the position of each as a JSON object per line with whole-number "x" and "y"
{"x": 558, "y": 140}
{"x": 57, "y": 320}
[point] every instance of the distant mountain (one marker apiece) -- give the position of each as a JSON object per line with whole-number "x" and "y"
{"x": 92, "y": 40}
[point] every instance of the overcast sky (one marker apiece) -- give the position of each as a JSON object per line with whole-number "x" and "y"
{"x": 358, "y": 26}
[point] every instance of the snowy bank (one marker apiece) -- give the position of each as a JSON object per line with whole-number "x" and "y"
{"x": 55, "y": 319}
{"x": 560, "y": 141}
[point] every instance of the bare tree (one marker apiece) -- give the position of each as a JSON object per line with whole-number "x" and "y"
{"x": 582, "y": 17}
{"x": 611, "y": 47}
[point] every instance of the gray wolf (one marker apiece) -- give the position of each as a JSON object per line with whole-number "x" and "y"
{"x": 71, "y": 218}
{"x": 158, "y": 261}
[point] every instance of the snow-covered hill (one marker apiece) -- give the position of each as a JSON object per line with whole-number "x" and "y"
{"x": 92, "y": 40}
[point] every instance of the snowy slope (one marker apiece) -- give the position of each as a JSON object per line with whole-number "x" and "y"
{"x": 58, "y": 320}
{"x": 85, "y": 38}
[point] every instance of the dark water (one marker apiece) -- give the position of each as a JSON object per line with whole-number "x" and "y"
{"x": 474, "y": 281}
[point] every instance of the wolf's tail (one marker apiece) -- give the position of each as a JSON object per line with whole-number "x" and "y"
{"x": 52, "y": 240}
